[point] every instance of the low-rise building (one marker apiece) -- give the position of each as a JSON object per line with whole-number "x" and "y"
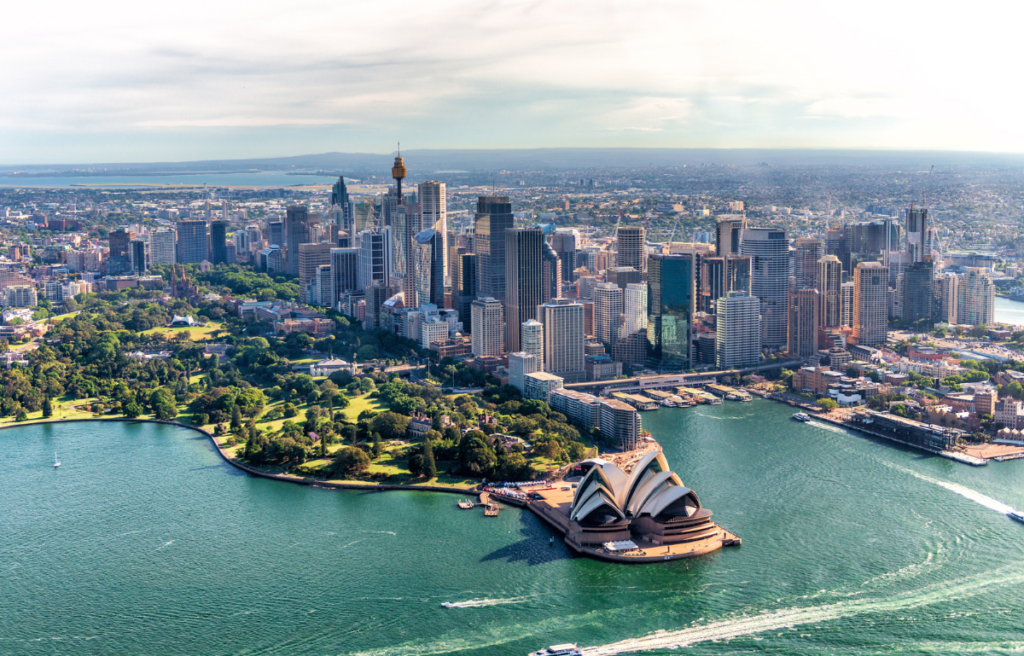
{"x": 579, "y": 407}
{"x": 330, "y": 366}
{"x": 318, "y": 327}
{"x": 601, "y": 367}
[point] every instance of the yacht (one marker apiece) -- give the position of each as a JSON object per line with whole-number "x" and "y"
{"x": 568, "y": 649}
{"x": 802, "y": 416}
{"x": 1016, "y": 514}
{"x": 56, "y": 463}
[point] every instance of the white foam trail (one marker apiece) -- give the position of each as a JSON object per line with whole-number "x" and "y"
{"x": 966, "y": 492}
{"x": 479, "y": 603}
{"x": 165, "y": 544}
{"x": 791, "y": 617}
{"x": 829, "y": 427}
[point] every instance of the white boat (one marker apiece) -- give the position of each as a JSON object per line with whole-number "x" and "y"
{"x": 568, "y": 649}
{"x": 56, "y": 463}
{"x": 446, "y": 604}
{"x": 1017, "y": 515}
{"x": 801, "y": 416}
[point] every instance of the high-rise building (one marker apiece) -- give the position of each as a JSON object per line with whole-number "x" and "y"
{"x": 218, "y": 242}
{"x": 738, "y": 331}
{"x": 829, "y": 280}
{"x": 564, "y": 340}
{"x": 870, "y": 303}
{"x": 120, "y": 242}
{"x": 322, "y": 289}
{"x": 20, "y": 296}
{"x": 341, "y": 207}
{"x": 532, "y": 332}
{"x": 949, "y": 297}
{"x": 977, "y": 299}
{"x": 551, "y": 278}
{"x": 375, "y": 258}
{"x": 768, "y": 250}
{"x": 493, "y": 218}
{"x": 804, "y": 306}
{"x": 805, "y": 262}
{"x": 465, "y": 290}
{"x": 310, "y": 257}
{"x": 488, "y": 322}
{"x": 623, "y": 276}
{"x": 298, "y": 225}
{"x": 162, "y": 246}
{"x": 671, "y": 304}
{"x": 398, "y": 172}
{"x": 608, "y": 310}
{"x": 276, "y": 233}
{"x": 429, "y": 268}
{"x": 919, "y": 294}
{"x": 846, "y": 309}
{"x": 519, "y": 366}
{"x": 524, "y": 253}
{"x": 630, "y": 243}
{"x": 634, "y": 309}
{"x": 564, "y": 243}
{"x": 729, "y": 234}
{"x": 192, "y": 242}
{"x": 434, "y": 214}
{"x": 344, "y": 279}
{"x": 405, "y": 225}
{"x": 375, "y": 296}
{"x": 918, "y": 245}
{"x": 137, "y": 255}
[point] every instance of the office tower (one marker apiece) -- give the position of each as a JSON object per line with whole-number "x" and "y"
{"x": 769, "y": 280}
{"x": 493, "y": 218}
{"x": 917, "y": 234}
{"x": 488, "y": 322}
{"x": 191, "y": 242}
{"x": 671, "y": 304}
{"x": 376, "y": 295}
{"x": 805, "y": 262}
{"x": 977, "y": 298}
{"x": 846, "y": 309}
{"x": 918, "y": 294}
{"x": 729, "y": 234}
{"x": 465, "y": 290}
{"x": 588, "y": 318}
{"x": 120, "y": 242}
{"x": 623, "y": 276}
{"x": 298, "y": 225}
{"x": 585, "y": 286}
{"x": 310, "y": 257}
{"x": 532, "y": 339}
{"x": 271, "y": 260}
{"x": 551, "y": 278}
{"x": 137, "y": 255}
{"x": 738, "y": 331}
{"x": 949, "y": 297}
{"x": 218, "y": 240}
{"x": 608, "y": 306}
{"x": 405, "y": 225}
{"x": 870, "y": 303}
{"x": 523, "y": 279}
{"x": 240, "y": 239}
{"x": 209, "y": 213}
{"x": 630, "y": 244}
{"x": 398, "y": 173}
{"x": 519, "y": 366}
{"x": 564, "y": 339}
{"x": 162, "y": 246}
{"x": 565, "y": 245}
{"x": 634, "y": 309}
{"x": 344, "y": 280}
{"x": 804, "y": 306}
{"x": 429, "y": 268}
{"x": 434, "y": 214}
{"x": 713, "y": 284}
{"x": 322, "y": 290}
{"x": 341, "y": 207}
{"x": 276, "y": 234}
{"x": 375, "y": 258}
{"x": 829, "y": 279}
{"x": 253, "y": 236}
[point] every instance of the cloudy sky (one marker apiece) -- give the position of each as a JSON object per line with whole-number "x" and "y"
{"x": 113, "y": 81}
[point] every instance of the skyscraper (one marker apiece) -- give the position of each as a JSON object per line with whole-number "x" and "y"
{"x": 949, "y": 297}
{"x": 120, "y": 242}
{"x": 298, "y": 230}
{"x": 137, "y": 255}
{"x": 564, "y": 244}
{"x": 917, "y": 234}
{"x": 218, "y": 242}
{"x": 738, "y": 334}
{"x": 829, "y": 279}
{"x": 276, "y": 234}
{"x": 434, "y": 214}
{"x": 768, "y": 250}
{"x": 630, "y": 244}
{"x": 375, "y": 258}
{"x": 623, "y": 276}
{"x": 551, "y": 283}
{"x": 634, "y": 309}
{"x": 523, "y": 280}
{"x": 493, "y": 218}
{"x": 162, "y": 246}
{"x": 805, "y": 262}
{"x": 310, "y": 257}
{"x": 488, "y": 322}
{"x": 344, "y": 280}
{"x": 977, "y": 298}
{"x": 919, "y": 294}
{"x": 519, "y": 366}
{"x": 564, "y": 342}
{"x": 804, "y": 306}
{"x": 870, "y": 303}
{"x": 465, "y": 290}
{"x": 429, "y": 268}
{"x": 846, "y": 310}
{"x": 191, "y": 242}
{"x": 341, "y": 207}
{"x": 405, "y": 225}
{"x": 729, "y": 234}
{"x": 608, "y": 307}
{"x": 671, "y": 304}
{"x": 532, "y": 332}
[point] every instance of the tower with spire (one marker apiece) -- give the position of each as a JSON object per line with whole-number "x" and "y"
{"x": 398, "y": 172}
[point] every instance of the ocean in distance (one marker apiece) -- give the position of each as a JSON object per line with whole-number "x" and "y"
{"x": 242, "y": 179}
{"x": 145, "y": 542}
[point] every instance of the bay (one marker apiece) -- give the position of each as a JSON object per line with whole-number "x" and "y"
{"x": 145, "y": 542}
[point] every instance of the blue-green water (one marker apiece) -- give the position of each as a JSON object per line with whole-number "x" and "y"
{"x": 1008, "y": 311}
{"x": 144, "y": 542}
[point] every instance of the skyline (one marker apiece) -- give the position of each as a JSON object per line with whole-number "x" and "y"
{"x": 108, "y": 84}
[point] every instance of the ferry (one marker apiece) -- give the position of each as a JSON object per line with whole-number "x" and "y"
{"x": 802, "y": 416}
{"x": 568, "y": 649}
{"x": 1016, "y": 514}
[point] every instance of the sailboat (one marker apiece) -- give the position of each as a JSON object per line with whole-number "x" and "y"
{"x": 56, "y": 463}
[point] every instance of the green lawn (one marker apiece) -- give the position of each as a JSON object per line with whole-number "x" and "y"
{"x": 364, "y": 402}
{"x": 197, "y": 334}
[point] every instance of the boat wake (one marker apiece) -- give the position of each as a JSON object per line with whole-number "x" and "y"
{"x": 480, "y": 603}
{"x": 966, "y": 492}
{"x": 792, "y": 617}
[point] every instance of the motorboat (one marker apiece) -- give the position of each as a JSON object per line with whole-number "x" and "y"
{"x": 568, "y": 649}
{"x": 802, "y": 416}
{"x": 446, "y": 604}
{"x": 56, "y": 463}
{"x": 1017, "y": 515}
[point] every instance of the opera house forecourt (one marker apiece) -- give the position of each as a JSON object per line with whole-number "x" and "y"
{"x": 644, "y": 515}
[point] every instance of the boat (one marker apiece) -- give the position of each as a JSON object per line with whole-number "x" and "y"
{"x": 1017, "y": 515}
{"x": 446, "y": 604}
{"x": 667, "y": 403}
{"x": 56, "y": 463}
{"x": 465, "y": 504}
{"x": 568, "y": 649}
{"x": 802, "y": 416}
{"x": 732, "y": 397}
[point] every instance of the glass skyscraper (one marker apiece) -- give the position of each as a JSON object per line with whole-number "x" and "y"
{"x": 670, "y": 308}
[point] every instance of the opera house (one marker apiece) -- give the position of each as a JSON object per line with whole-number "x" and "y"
{"x": 649, "y": 505}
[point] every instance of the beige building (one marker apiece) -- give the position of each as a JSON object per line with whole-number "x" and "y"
{"x": 488, "y": 327}
{"x": 977, "y": 299}
{"x": 870, "y": 303}
{"x": 830, "y": 280}
{"x": 564, "y": 339}
{"x": 804, "y": 305}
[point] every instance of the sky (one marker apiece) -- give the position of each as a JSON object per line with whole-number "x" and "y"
{"x": 114, "y": 81}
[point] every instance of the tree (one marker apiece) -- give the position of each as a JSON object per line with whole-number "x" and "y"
{"x": 48, "y": 408}
{"x": 827, "y": 404}
{"x": 236, "y": 419}
{"x": 429, "y": 466}
{"x": 852, "y": 372}
{"x": 132, "y": 410}
{"x": 390, "y": 425}
{"x": 350, "y": 460}
{"x": 22, "y": 415}
{"x": 416, "y": 464}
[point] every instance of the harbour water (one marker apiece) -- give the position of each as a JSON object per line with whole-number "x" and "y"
{"x": 1008, "y": 311}
{"x": 144, "y": 542}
